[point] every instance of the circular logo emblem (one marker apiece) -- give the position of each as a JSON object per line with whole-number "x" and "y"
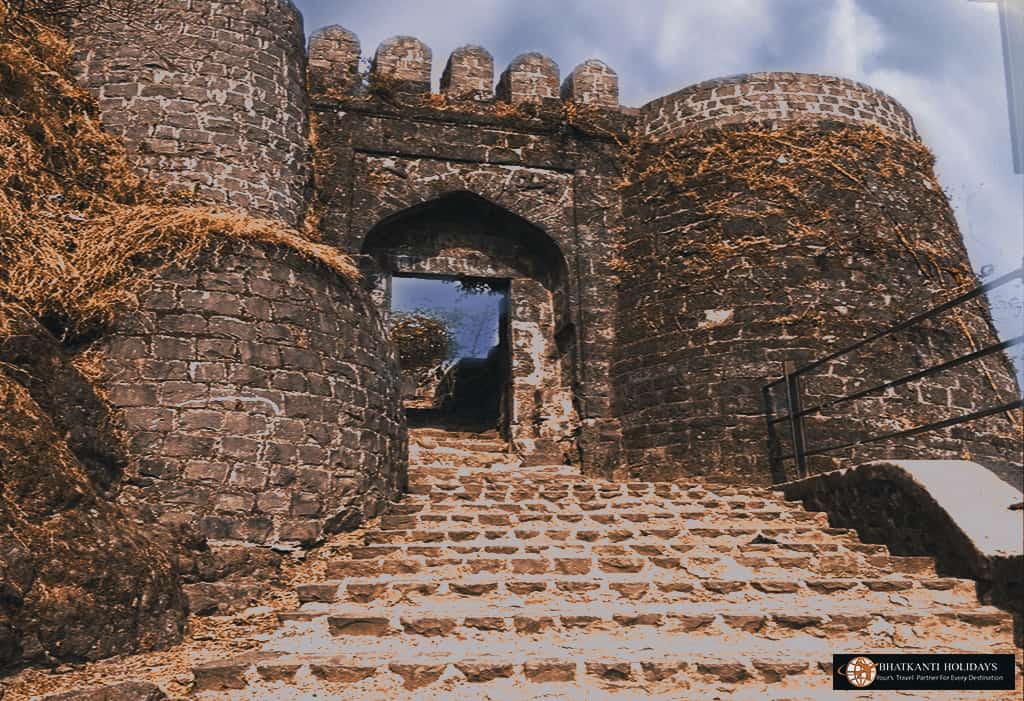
{"x": 860, "y": 672}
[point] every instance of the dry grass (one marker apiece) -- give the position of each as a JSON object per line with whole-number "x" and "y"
{"x": 82, "y": 232}
{"x": 819, "y": 180}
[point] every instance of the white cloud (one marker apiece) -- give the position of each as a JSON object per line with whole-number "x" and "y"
{"x": 944, "y": 66}
{"x": 852, "y": 37}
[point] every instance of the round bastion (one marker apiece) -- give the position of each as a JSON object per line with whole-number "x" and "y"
{"x": 260, "y": 398}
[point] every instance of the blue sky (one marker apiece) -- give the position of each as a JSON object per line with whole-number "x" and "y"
{"x": 472, "y": 317}
{"x": 941, "y": 58}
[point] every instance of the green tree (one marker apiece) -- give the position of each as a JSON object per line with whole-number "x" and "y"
{"x": 422, "y": 340}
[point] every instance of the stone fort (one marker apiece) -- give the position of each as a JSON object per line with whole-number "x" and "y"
{"x": 629, "y": 371}
{"x": 651, "y": 295}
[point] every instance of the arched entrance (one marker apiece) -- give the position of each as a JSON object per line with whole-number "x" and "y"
{"x": 463, "y": 238}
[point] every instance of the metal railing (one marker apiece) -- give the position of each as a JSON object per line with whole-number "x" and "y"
{"x": 796, "y": 413}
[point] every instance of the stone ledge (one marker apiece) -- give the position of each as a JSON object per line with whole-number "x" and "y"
{"x": 964, "y": 494}
{"x": 956, "y": 511}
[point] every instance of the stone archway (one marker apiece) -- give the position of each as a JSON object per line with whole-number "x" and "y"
{"x": 462, "y": 235}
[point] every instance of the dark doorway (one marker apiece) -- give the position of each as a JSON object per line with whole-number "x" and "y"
{"x": 461, "y": 237}
{"x": 454, "y": 335}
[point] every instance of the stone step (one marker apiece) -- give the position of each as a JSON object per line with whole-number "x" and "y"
{"x": 603, "y": 515}
{"x": 564, "y": 621}
{"x": 512, "y": 497}
{"x": 452, "y": 433}
{"x": 561, "y": 478}
{"x": 663, "y": 587}
{"x": 602, "y": 559}
{"x": 669, "y": 667}
{"x": 643, "y": 541}
{"x": 568, "y": 479}
{"x": 442, "y": 497}
{"x": 646, "y": 540}
{"x": 612, "y": 532}
{"x": 421, "y": 456}
{"x": 480, "y": 451}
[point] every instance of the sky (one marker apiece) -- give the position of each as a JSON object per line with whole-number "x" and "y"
{"x": 472, "y": 317}
{"x": 942, "y": 59}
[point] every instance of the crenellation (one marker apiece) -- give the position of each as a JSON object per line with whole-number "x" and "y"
{"x": 593, "y": 83}
{"x": 530, "y": 77}
{"x": 333, "y": 61}
{"x": 469, "y": 73}
{"x": 403, "y": 62}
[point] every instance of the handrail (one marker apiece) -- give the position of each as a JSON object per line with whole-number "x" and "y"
{"x": 935, "y": 426}
{"x": 989, "y": 350}
{"x": 923, "y": 316}
{"x": 791, "y": 377}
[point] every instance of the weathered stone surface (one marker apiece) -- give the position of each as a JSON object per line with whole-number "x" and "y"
{"x": 333, "y": 65}
{"x": 402, "y": 64}
{"x": 124, "y": 691}
{"x": 298, "y": 432}
{"x": 593, "y": 83}
{"x": 530, "y": 77}
{"x": 209, "y": 97}
{"x": 82, "y": 578}
{"x": 469, "y": 74}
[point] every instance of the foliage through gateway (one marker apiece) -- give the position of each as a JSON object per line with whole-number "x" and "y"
{"x": 422, "y": 341}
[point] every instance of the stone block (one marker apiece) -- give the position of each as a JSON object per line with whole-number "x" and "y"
{"x": 401, "y": 64}
{"x": 333, "y": 61}
{"x": 469, "y": 74}
{"x": 530, "y": 77}
{"x": 592, "y": 83}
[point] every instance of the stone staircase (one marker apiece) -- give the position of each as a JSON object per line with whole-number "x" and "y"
{"x": 438, "y": 447}
{"x": 527, "y": 583}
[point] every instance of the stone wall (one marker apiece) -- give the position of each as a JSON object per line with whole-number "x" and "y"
{"x": 381, "y": 157}
{"x": 260, "y": 397}
{"x": 771, "y": 97}
{"x": 208, "y": 95}
{"x": 954, "y": 511}
{"x": 82, "y": 577}
{"x": 724, "y": 279}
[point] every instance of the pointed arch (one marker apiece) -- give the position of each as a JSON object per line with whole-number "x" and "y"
{"x": 461, "y": 234}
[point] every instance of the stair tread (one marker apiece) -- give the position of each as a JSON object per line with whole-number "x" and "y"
{"x": 513, "y": 582}
{"x": 632, "y": 645}
{"x": 460, "y": 608}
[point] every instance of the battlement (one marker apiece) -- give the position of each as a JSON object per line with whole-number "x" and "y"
{"x": 222, "y": 111}
{"x": 403, "y": 63}
{"x": 773, "y": 97}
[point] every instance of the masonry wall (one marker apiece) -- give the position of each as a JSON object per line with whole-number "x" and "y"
{"x": 727, "y": 273}
{"x": 759, "y": 97}
{"x": 260, "y": 399}
{"x": 208, "y": 95}
{"x": 463, "y": 235}
{"x": 380, "y": 156}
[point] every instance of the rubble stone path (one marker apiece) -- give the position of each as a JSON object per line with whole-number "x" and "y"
{"x": 492, "y": 581}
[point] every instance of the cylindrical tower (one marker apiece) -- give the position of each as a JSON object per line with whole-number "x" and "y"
{"x": 780, "y": 217}
{"x": 209, "y": 97}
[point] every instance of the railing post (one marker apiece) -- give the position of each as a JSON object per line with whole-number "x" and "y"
{"x": 796, "y": 421}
